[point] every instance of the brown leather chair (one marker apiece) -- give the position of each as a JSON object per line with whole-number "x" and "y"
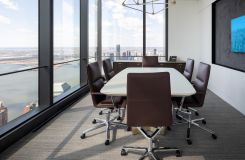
{"x": 197, "y": 100}
{"x": 108, "y": 70}
{"x": 189, "y": 69}
{"x": 149, "y": 105}
{"x": 150, "y": 61}
{"x": 96, "y": 82}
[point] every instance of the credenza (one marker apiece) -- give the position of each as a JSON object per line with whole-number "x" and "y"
{"x": 122, "y": 64}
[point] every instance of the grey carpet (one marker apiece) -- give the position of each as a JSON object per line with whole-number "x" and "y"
{"x": 60, "y": 138}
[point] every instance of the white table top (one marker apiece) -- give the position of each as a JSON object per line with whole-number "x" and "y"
{"x": 180, "y": 86}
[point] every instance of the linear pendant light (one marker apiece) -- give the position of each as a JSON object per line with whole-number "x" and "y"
{"x": 153, "y": 6}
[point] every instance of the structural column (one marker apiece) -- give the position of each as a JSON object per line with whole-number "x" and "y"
{"x": 84, "y": 11}
{"x": 45, "y": 52}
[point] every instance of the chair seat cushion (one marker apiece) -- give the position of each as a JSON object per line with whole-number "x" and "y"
{"x": 189, "y": 102}
{"x": 107, "y": 103}
{"x": 111, "y": 74}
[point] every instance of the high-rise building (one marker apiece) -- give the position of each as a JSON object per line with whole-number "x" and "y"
{"x": 118, "y": 51}
{"x": 155, "y": 52}
{"x": 96, "y": 55}
{"x": 112, "y": 57}
{"x": 3, "y": 114}
{"x": 128, "y": 55}
{"x": 124, "y": 56}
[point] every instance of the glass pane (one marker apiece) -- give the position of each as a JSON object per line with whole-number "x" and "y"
{"x": 18, "y": 97}
{"x": 122, "y": 31}
{"x": 66, "y": 78}
{"x": 19, "y": 35}
{"x": 155, "y": 31}
{"x": 18, "y": 51}
{"x": 66, "y": 46}
{"x": 93, "y": 9}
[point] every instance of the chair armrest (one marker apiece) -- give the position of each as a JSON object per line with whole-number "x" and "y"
{"x": 103, "y": 77}
{"x": 199, "y": 93}
{"x": 124, "y": 104}
{"x": 96, "y": 93}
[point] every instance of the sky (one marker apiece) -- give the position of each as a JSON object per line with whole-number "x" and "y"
{"x": 124, "y": 26}
{"x": 19, "y": 24}
{"x": 66, "y": 23}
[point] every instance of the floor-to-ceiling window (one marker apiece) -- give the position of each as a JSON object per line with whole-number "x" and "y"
{"x": 122, "y": 31}
{"x": 93, "y": 31}
{"x": 155, "y": 31}
{"x": 18, "y": 58}
{"x": 43, "y": 59}
{"x": 66, "y": 47}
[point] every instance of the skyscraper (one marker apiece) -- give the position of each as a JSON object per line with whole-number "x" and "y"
{"x": 124, "y": 56}
{"x": 118, "y": 52}
{"x": 155, "y": 52}
{"x": 112, "y": 57}
{"x": 96, "y": 55}
{"x": 3, "y": 114}
{"x": 128, "y": 55}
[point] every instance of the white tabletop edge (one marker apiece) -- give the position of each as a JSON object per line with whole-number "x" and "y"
{"x": 180, "y": 86}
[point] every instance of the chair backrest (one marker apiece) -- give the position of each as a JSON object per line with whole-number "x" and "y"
{"x": 201, "y": 82}
{"x": 108, "y": 70}
{"x": 149, "y": 99}
{"x": 150, "y": 61}
{"x": 95, "y": 82}
{"x": 189, "y": 69}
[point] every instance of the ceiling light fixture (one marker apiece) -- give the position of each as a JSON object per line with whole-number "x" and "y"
{"x": 152, "y": 6}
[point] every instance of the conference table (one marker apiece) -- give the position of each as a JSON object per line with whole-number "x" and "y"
{"x": 180, "y": 86}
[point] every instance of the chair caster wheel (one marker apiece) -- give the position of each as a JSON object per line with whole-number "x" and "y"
{"x": 94, "y": 121}
{"x": 141, "y": 158}
{"x": 83, "y": 136}
{"x": 204, "y": 122}
{"x": 123, "y": 152}
{"x": 178, "y": 117}
{"x": 196, "y": 113}
{"x": 189, "y": 142}
{"x": 214, "y": 136}
{"x": 155, "y": 144}
{"x": 169, "y": 128}
{"x": 129, "y": 129}
{"x": 100, "y": 113}
{"x": 107, "y": 142}
{"x": 178, "y": 153}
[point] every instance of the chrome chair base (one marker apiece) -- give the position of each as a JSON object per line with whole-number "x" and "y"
{"x": 108, "y": 123}
{"x": 194, "y": 110}
{"x": 180, "y": 111}
{"x": 151, "y": 150}
{"x": 192, "y": 122}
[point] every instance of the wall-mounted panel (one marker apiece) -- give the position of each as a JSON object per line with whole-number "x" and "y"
{"x": 225, "y": 14}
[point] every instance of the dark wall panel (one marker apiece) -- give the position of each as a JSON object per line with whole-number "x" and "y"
{"x": 223, "y": 12}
